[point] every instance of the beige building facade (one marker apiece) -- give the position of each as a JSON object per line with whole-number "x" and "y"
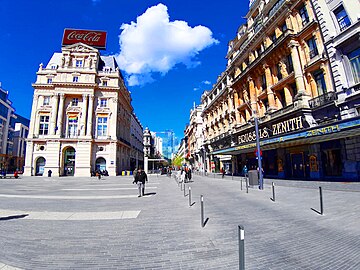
{"x": 81, "y": 116}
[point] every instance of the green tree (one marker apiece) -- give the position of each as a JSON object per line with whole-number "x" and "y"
{"x": 177, "y": 161}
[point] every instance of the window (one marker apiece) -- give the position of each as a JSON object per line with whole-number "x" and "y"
{"x": 49, "y": 80}
{"x": 278, "y": 71}
{"x": 53, "y": 67}
{"x": 44, "y": 125}
{"x": 102, "y": 126}
{"x": 320, "y": 82}
{"x": 289, "y": 64}
{"x": 263, "y": 81}
{"x": 304, "y": 15}
{"x": 75, "y": 79}
{"x": 103, "y": 102}
{"x": 355, "y": 64}
{"x": 342, "y": 17}
{"x": 282, "y": 98}
{"x": 313, "y": 51}
{"x": 284, "y": 27}
{"x": 104, "y": 83}
{"x": 273, "y": 37}
{"x": 79, "y": 63}
{"x": 293, "y": 89}
{"x": 72, "y": 126}
{"x": 75, "y": 102}
{"x": 265, "y": 103}
{"x": 107, "y": 69}
{"x": 46, "y": 100}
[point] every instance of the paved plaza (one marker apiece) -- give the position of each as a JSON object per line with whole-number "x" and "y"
{"x": 86, "y": 223}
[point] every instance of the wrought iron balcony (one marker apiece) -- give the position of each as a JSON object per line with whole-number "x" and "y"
{"x": 322, "y": 100}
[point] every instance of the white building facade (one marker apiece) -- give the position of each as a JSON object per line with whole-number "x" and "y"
{"x": 137, "y": 145}
{"x": 81, "y": 116}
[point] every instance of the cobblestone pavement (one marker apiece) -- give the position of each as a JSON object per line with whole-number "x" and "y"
{"x": 85, "y": 223}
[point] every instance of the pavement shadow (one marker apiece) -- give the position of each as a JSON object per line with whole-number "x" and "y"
{"x": 316, "y": 211}
{"x": 206, "y": 221}
{"x": 149, "y": 194}
{"x": 13, "y": 217}
{"x": 192, "y": 204}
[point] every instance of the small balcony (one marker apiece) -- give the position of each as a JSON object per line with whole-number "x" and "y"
{"x": 322, "y": 100}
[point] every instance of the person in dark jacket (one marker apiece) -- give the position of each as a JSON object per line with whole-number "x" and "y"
{"x": 140, "y": 180}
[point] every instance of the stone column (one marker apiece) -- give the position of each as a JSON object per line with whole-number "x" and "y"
{"x": 60, "y": 115}
{"x": 299, "y": 76}
{"x": 90, "y": 116}
{"x": 54, "y": 114}
{"x": 270, "y": 93}
{"x": 253, "y": 95}
{"x": 84, "y": 114}
{"x": 34, "y": 116}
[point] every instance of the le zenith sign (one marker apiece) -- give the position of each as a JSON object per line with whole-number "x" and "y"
{"x": 286, "y": 126}
{"x": 93, "y": 38}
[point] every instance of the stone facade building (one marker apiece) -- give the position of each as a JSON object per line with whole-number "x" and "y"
{"x": 279, "y": 72}
{"x": 81, "y": 115}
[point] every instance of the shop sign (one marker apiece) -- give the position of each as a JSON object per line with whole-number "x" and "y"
{"x": 286, "y": 126}
{"x": 323, "y": 131}
{"x": 95, "y": 39}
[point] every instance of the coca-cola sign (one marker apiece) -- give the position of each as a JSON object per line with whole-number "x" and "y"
{"x": 95, "y": 39}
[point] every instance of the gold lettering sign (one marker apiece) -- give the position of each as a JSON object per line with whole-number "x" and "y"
{"x": 287, "y": 126}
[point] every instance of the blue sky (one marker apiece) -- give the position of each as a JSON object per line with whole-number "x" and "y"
{"x": 180, "y": 48}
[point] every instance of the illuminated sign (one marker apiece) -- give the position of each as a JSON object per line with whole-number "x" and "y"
{"x": 92, "y": 38}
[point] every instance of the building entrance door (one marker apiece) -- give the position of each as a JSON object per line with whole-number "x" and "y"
{"x": 297, "y": 165}
{"x": 69, "y": 161}
{"x": 40, "y": 165}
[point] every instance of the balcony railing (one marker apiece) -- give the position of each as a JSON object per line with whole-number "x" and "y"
{"x": 322, "y": 100}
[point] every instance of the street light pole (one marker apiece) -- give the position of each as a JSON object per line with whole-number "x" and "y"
{"x": 261, "y": 180}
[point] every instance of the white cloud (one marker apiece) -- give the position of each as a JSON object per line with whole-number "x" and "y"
{"x": 206, "y": 82}
{"x": 154, "y": 44}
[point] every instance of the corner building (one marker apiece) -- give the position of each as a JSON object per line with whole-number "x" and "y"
{"x": 81, "y": 115}
{"x": 278, "y": 71}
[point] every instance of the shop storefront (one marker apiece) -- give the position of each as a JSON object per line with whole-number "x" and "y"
{"x": 292, "y": 149}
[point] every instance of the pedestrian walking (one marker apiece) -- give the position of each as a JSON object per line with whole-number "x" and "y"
{"x": 140, "y": 180}
{"x": 49, "y": 173}
{"x": 223, "y": 172}
{"x": 189, "y": 176}
{"x": 182, "y": 175}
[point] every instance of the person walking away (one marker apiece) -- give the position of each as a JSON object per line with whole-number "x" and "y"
{"x": 140, "y": 180}
{"x": 49, "y": 173}
{"x": 189, "y": 176}
{"x": 16, "y": 174}
{"x": 182, "y": 175}
{"x": 223, "y": 172}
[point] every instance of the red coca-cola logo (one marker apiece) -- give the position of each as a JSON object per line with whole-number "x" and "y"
{"x": 96, "y": 39}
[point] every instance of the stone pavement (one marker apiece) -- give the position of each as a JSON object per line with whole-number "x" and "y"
{"x": 82, "y": 223}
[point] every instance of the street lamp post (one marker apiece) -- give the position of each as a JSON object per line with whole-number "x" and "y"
{"x": 261, "y": 180}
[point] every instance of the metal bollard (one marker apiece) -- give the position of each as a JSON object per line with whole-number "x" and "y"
{"x": 241, "y": 247}
{"x": 321, "y": 202}
{"x": 202, "y": 210}
{"x": 184, "y": 191}
{"x": 247, "y": 184}
{"x": 273, "y": 191}
{"x": 240, "y": 183}
{"x": 189, "y": 196}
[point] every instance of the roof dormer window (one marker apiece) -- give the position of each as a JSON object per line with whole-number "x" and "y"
{"x": 107, "y": 69}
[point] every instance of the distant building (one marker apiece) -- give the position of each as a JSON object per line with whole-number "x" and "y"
{"x": 137, "y": 145}
{"x": 13, "y": 131}
{"x": 81, "y": 115}
{"x": 169, "y": 143}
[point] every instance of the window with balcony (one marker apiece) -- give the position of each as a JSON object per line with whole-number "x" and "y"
{"x": 46, "y": 100}
{"x": 278, "y": 72}
{"x": 75, "y": 102}
{"x": 313, "y": 51}
{"x": 102, "y": 127}
{"x": 44, "y": 125}
{"x": 75, "y": 79}
{"x": 263, "y": 82}
{"x": 289, "y": 64}
{"x": 354, "y": 59}
{"x": 72, "y": 126}
{"x": 342, "y": 18}
{"x": 320, "y": 82}
{"x": 304, "y": 15}
{"x": 79, "y": 63}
